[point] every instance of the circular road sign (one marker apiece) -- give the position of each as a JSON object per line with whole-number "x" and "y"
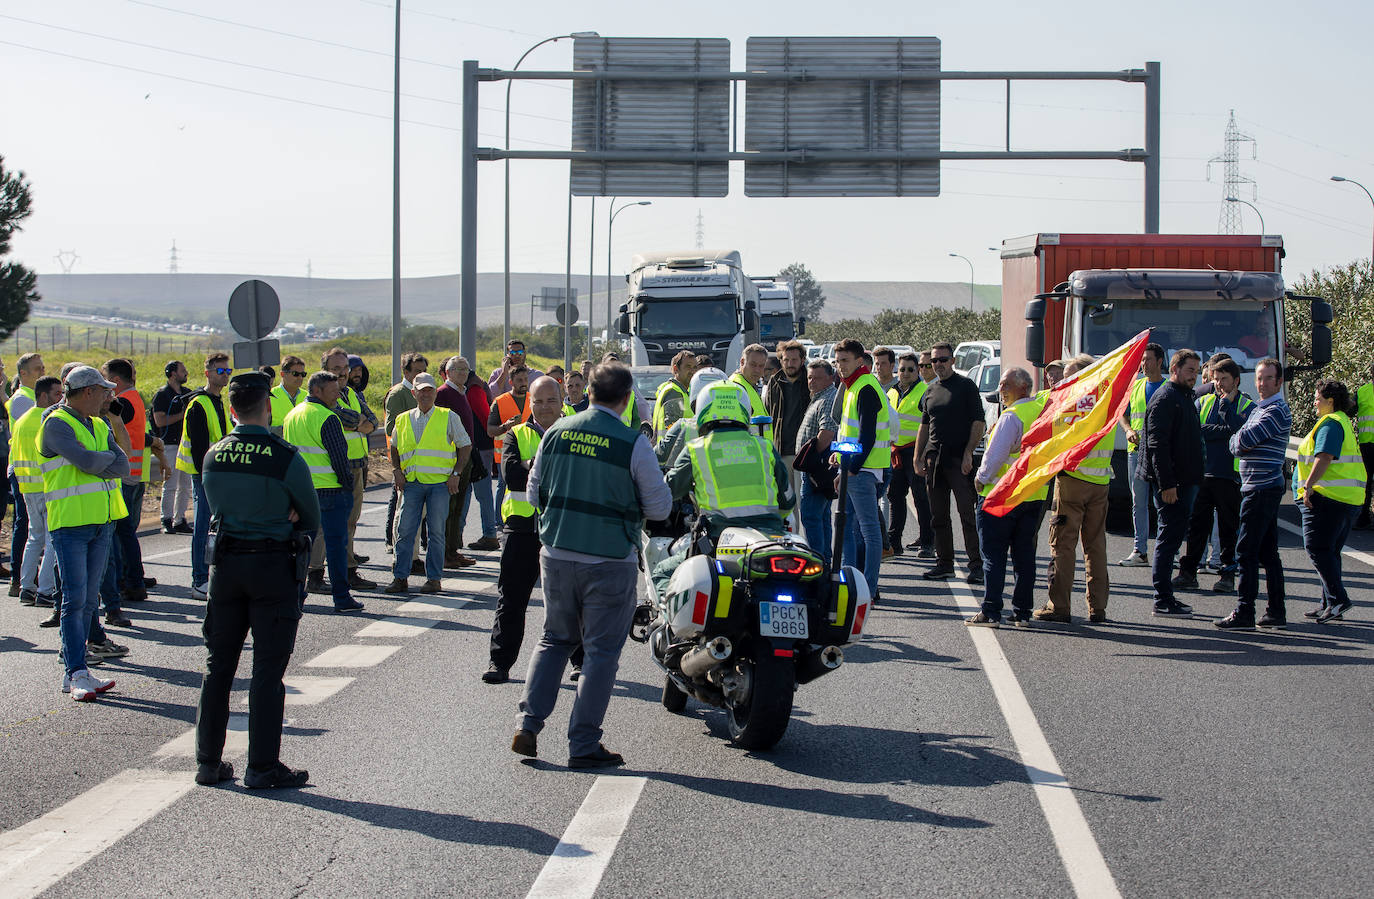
{"x": 254, "y": 310}
{"x": 566, "y": 312}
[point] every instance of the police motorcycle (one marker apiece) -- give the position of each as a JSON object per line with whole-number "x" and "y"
{"x": 744, "y": 620}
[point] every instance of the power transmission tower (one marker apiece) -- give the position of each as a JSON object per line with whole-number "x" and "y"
{"x": 172, "y": 262}
{"x": 1232, "y": 180}
{"x": 67, "y": 259}
{"x": 701, "y": 231}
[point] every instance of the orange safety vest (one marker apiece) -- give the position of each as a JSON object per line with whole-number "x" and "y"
{"x": 505, "y": 408}
{"x": 138, "y": 435}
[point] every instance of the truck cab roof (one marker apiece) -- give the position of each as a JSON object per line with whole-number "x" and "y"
{"x": 1176, "y": 283}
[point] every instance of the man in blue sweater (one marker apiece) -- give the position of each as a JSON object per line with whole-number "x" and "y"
{"x": 1261, "y": 445}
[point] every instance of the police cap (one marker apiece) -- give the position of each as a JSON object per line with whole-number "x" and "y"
{"x": 248, "y": 391}
{"x": 250, "y": 380}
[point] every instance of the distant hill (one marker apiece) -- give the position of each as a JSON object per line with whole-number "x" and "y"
{"x": 202, "y": 298}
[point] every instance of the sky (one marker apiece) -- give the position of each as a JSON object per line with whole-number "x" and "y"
{"x": 257, "y": 135}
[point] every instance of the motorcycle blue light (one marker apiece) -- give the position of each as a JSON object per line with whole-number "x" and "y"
{"x": 785, "y": 597}
{"x": 846, "y": 447}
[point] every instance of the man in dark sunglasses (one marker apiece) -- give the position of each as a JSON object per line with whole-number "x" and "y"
{"x": 951, "y": 428}
{"x": 289, "y": 393}
{"x": 906, "y": 402}
{"x": 499, "y": 382}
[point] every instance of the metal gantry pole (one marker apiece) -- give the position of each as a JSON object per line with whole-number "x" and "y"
{"x": 591, "y": 276}
{"x": 567, "y": 289}
{"x": 396, "y": 211}
{"x": 610, "y": 220}
{"x": 1152, "y": 147}
{"x": 467, "y": 295}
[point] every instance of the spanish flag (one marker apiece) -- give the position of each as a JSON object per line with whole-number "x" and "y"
{"x": 1079, "y": 412}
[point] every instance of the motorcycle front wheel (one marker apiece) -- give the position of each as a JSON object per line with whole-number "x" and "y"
{"x": 760, "y": 722}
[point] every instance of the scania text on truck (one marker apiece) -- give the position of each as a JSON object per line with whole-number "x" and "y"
{"x": 694, "y": 300}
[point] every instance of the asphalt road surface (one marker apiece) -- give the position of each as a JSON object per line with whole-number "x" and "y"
{"x": 1145, "y": 757}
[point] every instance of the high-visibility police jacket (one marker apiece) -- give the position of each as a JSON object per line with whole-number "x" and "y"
{"x": 732, "y": 474}
{"x": 587, "y": 498}
{"x": 908, "y": 409}
{"x": 1364, "y": 414}
{"x": 507, "y": 408}
{"x": 213, "y": 425}
{"x": 26, "y": 391}
{"x": 357, "y": 442}
{"x": 282, "y": 403}
{"x": 665, "y": 393}
{"x": 756, "y": 406}
{"x": 75, "y": 498}
{"x": 428, "y": 459}
{"x": 1344, "y": 478}
{"x": 1208, "y": 402}
{"x": 1135, "y": 411}
{"x": 879, "y": 458}
{"x": 1027, "y": 412}
{"x": 301, "y": 428}
{"x": 517, "y": 502}
{"x": 24, "y": 451}
{"x": 138, "y": 436}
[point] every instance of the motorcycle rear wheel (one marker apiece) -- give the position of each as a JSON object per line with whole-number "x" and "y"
{"x": 761, "y": 722}
{"x": 674, "y": 700}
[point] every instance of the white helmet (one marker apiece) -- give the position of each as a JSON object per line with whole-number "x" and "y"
{"x": 700, "y": 380}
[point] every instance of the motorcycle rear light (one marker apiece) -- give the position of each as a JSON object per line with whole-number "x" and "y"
{"x": 787, "y": 564}
{"x": 783, "y": 653}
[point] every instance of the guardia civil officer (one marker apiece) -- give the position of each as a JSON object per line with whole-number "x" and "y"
{"x": 262, "y": 500}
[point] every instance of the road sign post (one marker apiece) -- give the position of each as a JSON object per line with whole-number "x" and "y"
{"x": 254, "y": 310}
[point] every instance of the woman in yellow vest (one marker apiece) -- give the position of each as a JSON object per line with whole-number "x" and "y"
{"x": 1329, "y": 487}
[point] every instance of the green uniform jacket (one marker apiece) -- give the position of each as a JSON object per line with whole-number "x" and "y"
{"x": 253, "y": 480}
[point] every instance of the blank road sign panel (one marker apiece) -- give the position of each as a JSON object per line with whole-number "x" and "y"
{"x": 861, "y": 115}
{"x": 665, "y": 116}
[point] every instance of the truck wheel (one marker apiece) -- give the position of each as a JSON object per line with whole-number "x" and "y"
{"x": 760, "y": 722}
{"x": 674, "y": 700}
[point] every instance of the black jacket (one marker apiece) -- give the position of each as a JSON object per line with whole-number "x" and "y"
{"x": 1173, "y": 439}
{"x": 786, "y": 402}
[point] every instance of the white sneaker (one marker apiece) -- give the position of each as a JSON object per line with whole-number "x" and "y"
{"x": 1135, "y": 560}
{"x": 85, "y": 688}
{"x": 200, "y": 592}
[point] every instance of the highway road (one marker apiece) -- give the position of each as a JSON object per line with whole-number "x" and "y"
{"x": 1142, "y": 757}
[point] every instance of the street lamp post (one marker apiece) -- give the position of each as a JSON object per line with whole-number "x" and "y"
{"x": 970, "y": 278}
{"x": 1252, "y": 206}
{"x": 547, "y": 40}
{"x": 1357, "y": 184}
{"x": 612, "y": 212}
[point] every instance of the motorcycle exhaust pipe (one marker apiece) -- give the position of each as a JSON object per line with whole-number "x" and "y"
{"x": 703, "y": 658}
{"x": 821, "y": 661}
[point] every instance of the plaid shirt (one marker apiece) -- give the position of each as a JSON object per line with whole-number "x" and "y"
{"x": 819, "y": 416}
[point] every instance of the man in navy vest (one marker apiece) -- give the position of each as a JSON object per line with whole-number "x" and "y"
{"x": 594, "y": 481}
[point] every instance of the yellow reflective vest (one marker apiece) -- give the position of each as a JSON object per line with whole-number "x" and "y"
{"x": 430, "y": 458}
{"x": 1027, "y": 411}
{"x": 517, "y": 502}
{"x": 879, "y": 457}
{"x": 1364, "y": 414}
{"x": 665, "y": 393}
{"x": 301, "y": 429}
{"x": 909, "y": 415}
{"x": 24, "y": 451}
{"x": 357, "y": 443}
{"x": 75, "y": 498}
{"x": 213, "y": 424}
{"x": 282, "y": 403}
{"x": 756, "y": 401}
{"x": 1344, "y": 478}
{"x": 732, "y": 474}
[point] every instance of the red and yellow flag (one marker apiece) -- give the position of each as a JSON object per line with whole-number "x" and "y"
{"x": 1079, "y": 412}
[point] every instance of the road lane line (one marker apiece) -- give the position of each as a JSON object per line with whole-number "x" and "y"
{"x": 184, "y": 746}
{"x": 1078, "y": 849}
{"x": 303, "y": 690}
{"x": 168, "y": 554}
{"x": 1355, "y": 554}
{"x": 433, "y": 604}
{"x": 580, "y": 858}
{"x": 352, "y": 655}
{"x": 38, "y": 854}
{"x": 389, "y": 628}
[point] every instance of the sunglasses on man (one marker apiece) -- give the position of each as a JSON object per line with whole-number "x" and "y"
{"x": 223, "y": 371}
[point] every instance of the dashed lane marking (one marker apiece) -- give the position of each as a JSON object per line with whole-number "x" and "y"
{"x": 38, "y": 854}
{"x": 390, "y": 628}
{"x": 580, "y": 858}
{"x": 184, "y": 746}
{"x": 1077, "y": 846}
{"x": 433, "y": 604}
{"x": 305, "y": 690}
{"x": 352, "y": 655}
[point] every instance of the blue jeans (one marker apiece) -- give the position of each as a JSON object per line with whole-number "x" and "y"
{"x": 126, "y": 536}
{"x": 1140, "y": 504}
{"x": 200, "y": 533}
{"x": 816, "y": 522}
{"x": 1258, "y": 544}
{"x": 430, "y": 502}
{"x": 1016, "y": 531}
{"x": 1173, "y": 530}
{"x": 1324, "y": 529}
{"x": 861, "y": 505}
{"x": 335, "y": 507}
{"x": 82, "y": 555}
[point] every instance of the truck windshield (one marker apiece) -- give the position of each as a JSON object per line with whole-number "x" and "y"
{"x": 675, "y": 318}
{"x": 1245, "y": 330}
{"x": 775, "y": 326}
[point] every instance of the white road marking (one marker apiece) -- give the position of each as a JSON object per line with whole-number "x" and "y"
{"x": 303, "y": 690}
{"x": 397, "y": 627}
{"x": 184, "y": 746}
{"x": 468, "y": 585}
{"x": 167, "y": 555}
{"x": 580, "y": 858}
{"x": 38, "y": 854}
{"x": 1078, "y": 849}
{"x": 352, "y": 655}
{"x": 433, "y": 604}
{"x": 1355, "y": 554}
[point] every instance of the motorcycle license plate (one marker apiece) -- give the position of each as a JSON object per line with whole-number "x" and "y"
{"x": 782, "y": 619}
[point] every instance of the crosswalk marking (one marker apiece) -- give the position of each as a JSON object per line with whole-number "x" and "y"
{"x": 306, "y": 690}
{"x": 184, "y": 746}
{"x": 352, "y": 655}
{"x": 389, "y": 628}
{"x": 433, "y": 604}
{"x": 580, "y": 858}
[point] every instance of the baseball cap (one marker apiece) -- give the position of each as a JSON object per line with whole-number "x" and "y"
{"x": 85, "y": 376}
{"x": 425, "y": 379}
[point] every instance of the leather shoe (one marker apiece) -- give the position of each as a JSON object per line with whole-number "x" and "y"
{"x": 432, "y": 586}
{"x": 1048, "y": 613}
{"x": 118, "y": 619}
{"x": 52, "y": 620}
{"x": 351, "y": 606}
{"x": 358, "y": 582}
{"x": 149, "y": 582}
{"x": 183, "y": 527}
{"x": 209, "y": 775}
{"x": 458, "y": 560}
{"x": 397, "y": 585}
{"x": 314, "y": 583}
{"x": 938, "y": 574}
{"x": 137, "y": 594}
{"x": 601, "y": 758}
{"x": 525, "y": 743}
{"x": 360, "y": 559}
{"x": 14, "y": 588}
{"x": 495, "y": 674}
{"x": 485, "y": 543}
{"x": 276, "y": 778}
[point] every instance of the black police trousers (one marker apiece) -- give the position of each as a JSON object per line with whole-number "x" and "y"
{"x": 257, "y": 592}
{"x": 519, "y": 574}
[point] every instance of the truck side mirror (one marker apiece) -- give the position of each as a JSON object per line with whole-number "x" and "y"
{"x": 1035, "y": 332}
{"x": 751, "y": 318}
{"x": 623, "y": 323}
{"x": 1321, "y": 344}
{"x": 1322, "y": 313}
{"x": 801, "y": 327}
